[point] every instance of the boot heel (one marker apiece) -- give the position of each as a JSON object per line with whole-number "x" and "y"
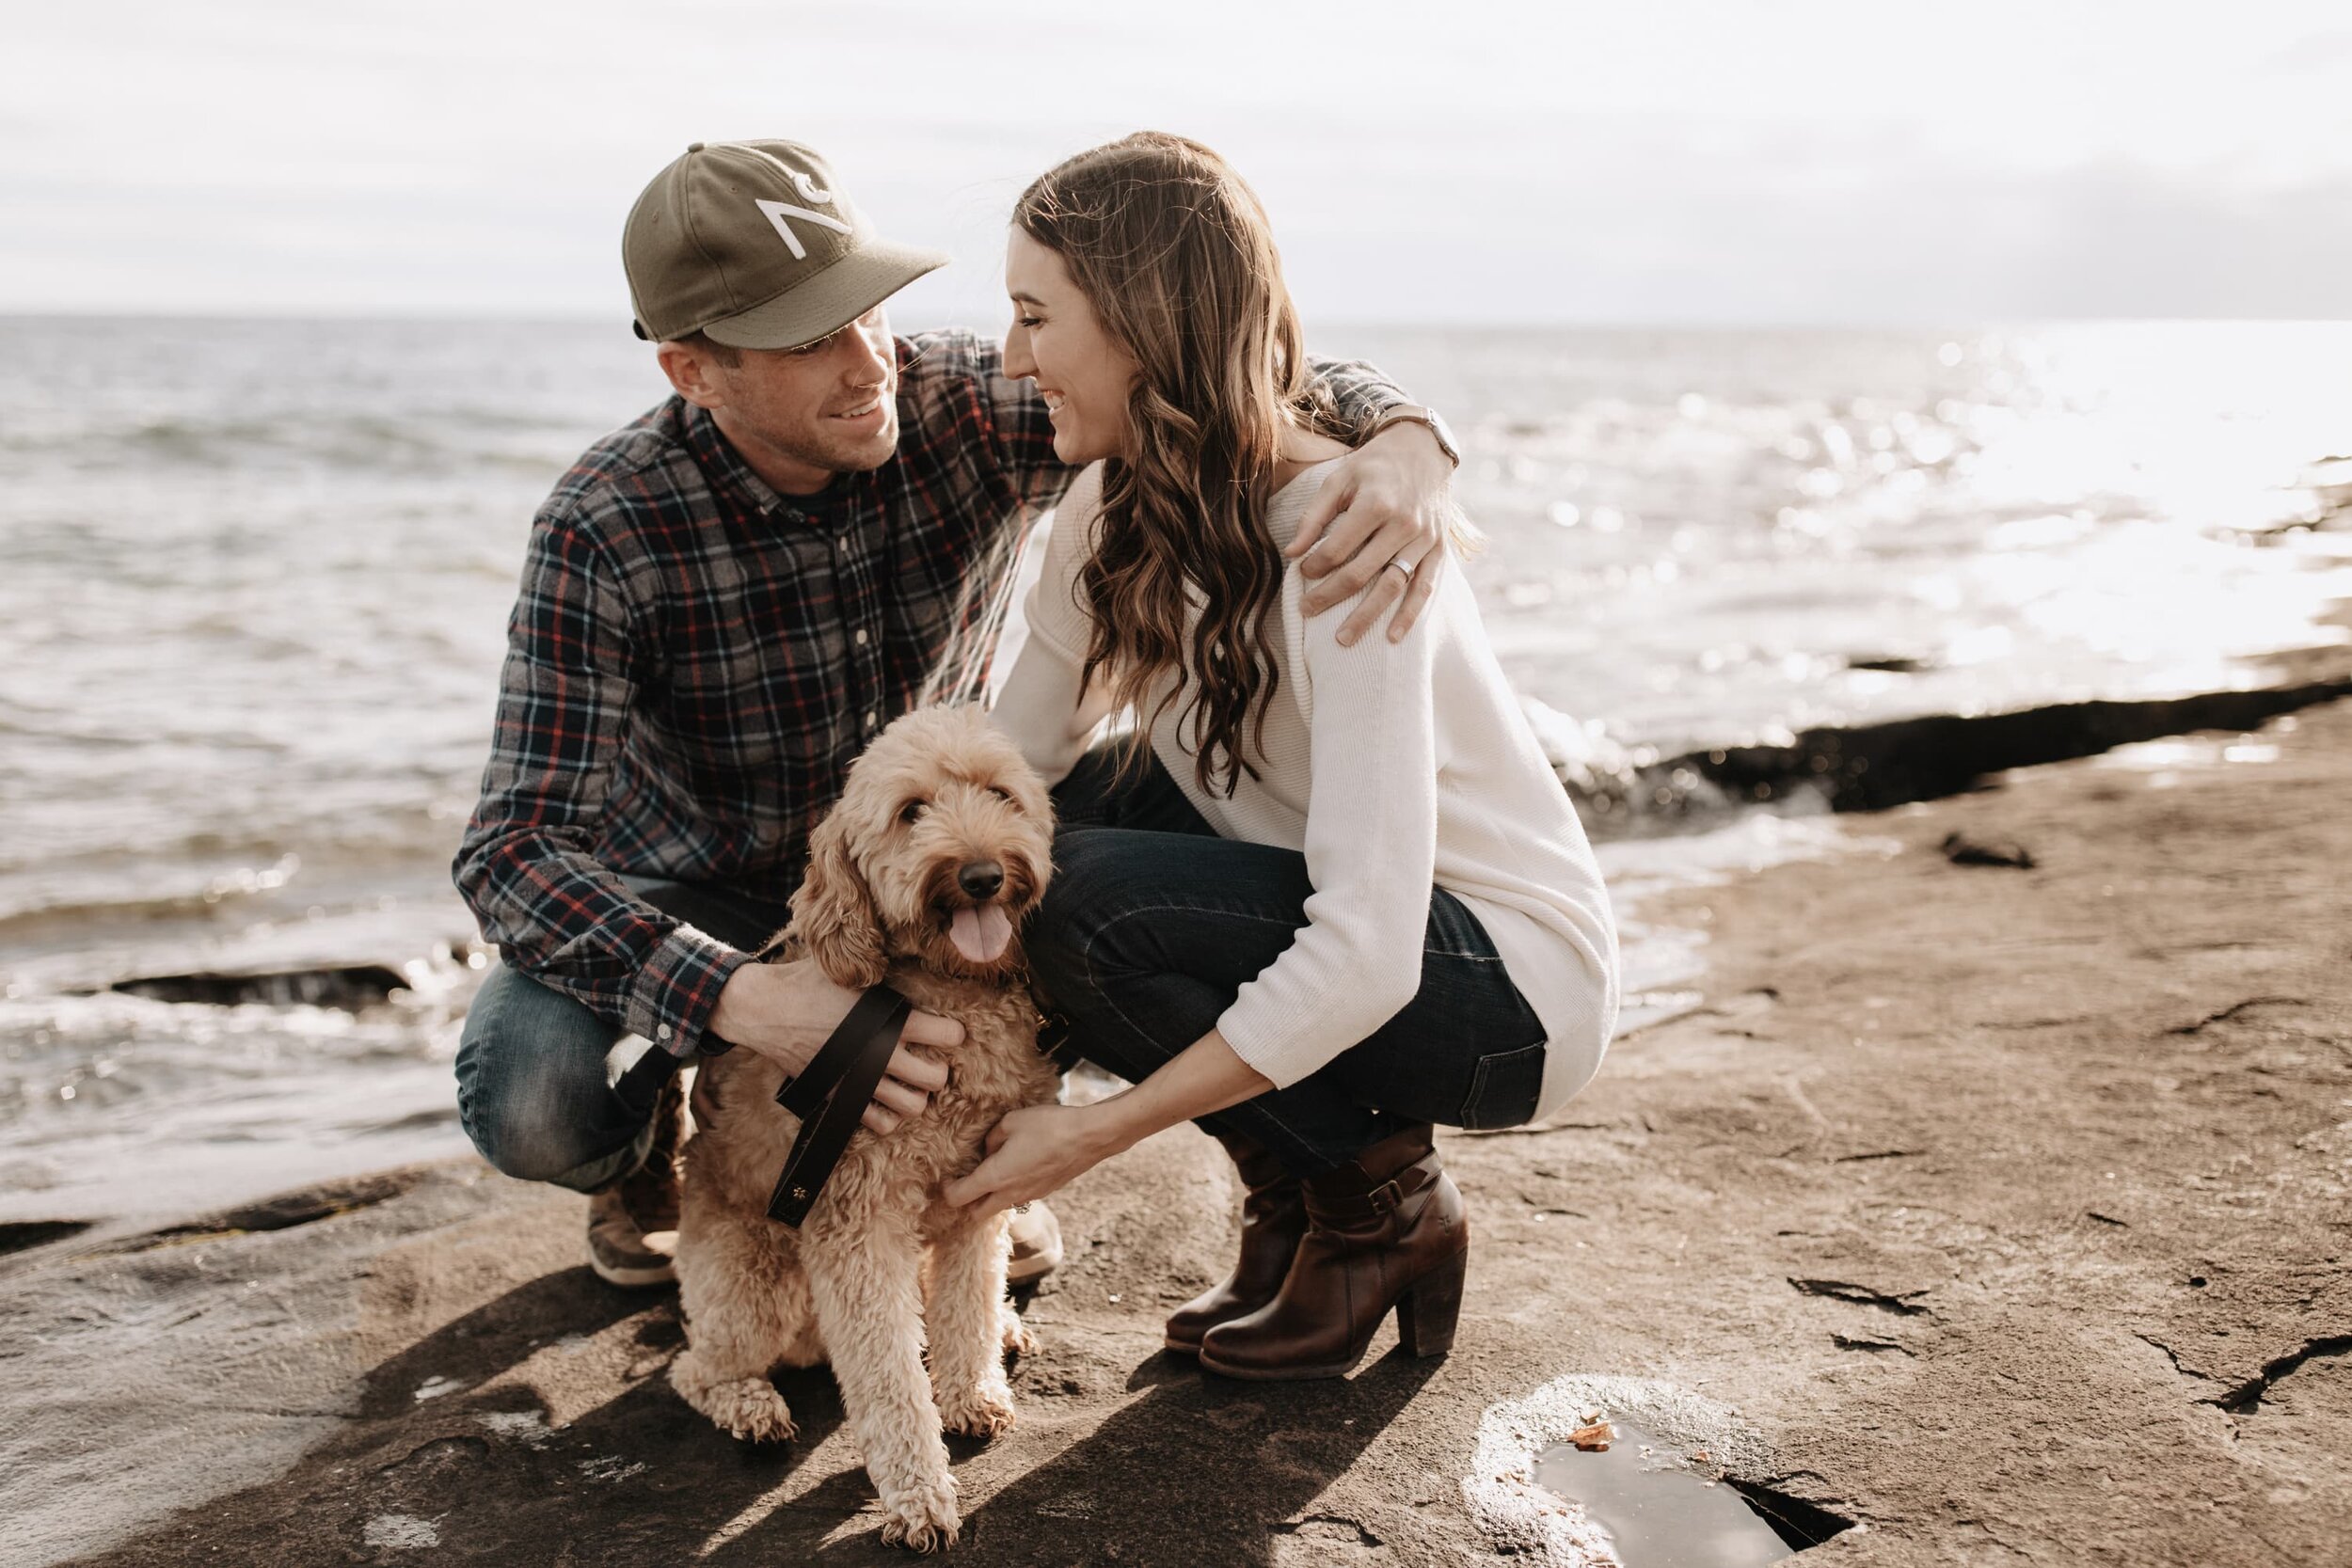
{"x": 1427, "y": 1313}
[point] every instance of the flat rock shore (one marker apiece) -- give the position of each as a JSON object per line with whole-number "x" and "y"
{"x": 2006, "y": 1206}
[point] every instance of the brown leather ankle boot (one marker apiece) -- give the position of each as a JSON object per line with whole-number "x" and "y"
{"x": 1385, "y": 1229}
{"x": 1273, "y": 1218}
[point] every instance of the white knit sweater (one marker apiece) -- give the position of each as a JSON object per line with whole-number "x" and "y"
{"x": 1393, "y": 768}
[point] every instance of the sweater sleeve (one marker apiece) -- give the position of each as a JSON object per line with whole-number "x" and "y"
{"x": 1371, "y": 847}
{"x": 1045, "y": 704}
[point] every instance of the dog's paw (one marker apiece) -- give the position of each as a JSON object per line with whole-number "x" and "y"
{"x": 1018, "y": 1341}
{"x": 749, "y": 1409}
{"x": 982, "y": 1412}
{"x": 922, "y": 1518}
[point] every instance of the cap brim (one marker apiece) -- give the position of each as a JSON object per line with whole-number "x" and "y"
{"x": 820, "y": 306}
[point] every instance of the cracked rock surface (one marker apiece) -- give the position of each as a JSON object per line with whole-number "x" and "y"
{"x": 2010, "y": 1211}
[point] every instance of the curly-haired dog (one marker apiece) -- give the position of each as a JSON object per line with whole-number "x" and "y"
{"x": 942, "y": 841}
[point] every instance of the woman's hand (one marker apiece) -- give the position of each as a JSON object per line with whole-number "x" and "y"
{"x": 1039, "y": 1147}
{"x": 1387, "y": 500}
{"x": 1030, "y": 1153}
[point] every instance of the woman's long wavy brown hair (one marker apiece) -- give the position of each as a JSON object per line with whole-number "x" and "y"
{"x": 1174, "y": 252}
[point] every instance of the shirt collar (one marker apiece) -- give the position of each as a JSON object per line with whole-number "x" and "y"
{"x": 721, "y": 463}
{"x": 730, "y": 476}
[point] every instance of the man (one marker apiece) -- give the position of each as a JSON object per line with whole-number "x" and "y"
{"x": 721, "y": 605}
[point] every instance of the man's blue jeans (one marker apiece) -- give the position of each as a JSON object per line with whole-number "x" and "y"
{"x": 1153, "y": 924}
{"x": 539, "y": 1076}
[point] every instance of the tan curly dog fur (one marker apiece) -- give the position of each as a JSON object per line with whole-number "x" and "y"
{"x": 883, "y": 1257}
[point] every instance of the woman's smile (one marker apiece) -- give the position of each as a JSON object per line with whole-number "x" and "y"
{"x": 1057, "y": 340}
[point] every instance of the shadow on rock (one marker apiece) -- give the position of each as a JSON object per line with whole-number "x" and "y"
{"x": 1199, "y": 1470}
{"x": 498, "y": 1336}
{"x": 452, "y": 1453}
{"x": 540, "y": 1428}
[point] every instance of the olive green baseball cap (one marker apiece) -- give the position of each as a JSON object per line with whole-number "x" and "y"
{"x": 753, "y": 243}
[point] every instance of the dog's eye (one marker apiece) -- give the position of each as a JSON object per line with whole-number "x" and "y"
{"x": 1002, "y": 794}
{"x": 912, "y": 812}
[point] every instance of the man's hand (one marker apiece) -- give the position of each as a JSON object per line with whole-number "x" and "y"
{"x": 785, "y": 1011}
{"x": 1387, "y": 500}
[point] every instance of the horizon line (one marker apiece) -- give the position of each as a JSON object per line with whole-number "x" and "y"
{"x": 463, "y": 316}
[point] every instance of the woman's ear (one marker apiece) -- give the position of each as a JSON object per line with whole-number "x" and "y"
{"x": 833, "y": 919}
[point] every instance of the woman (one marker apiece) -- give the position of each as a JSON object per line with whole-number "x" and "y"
{"x": 1343, "y": 896}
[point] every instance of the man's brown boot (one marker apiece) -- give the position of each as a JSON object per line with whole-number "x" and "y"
{"x": 1273, "y": 1218}
{"x": 1036, "y": 1236}
{"x": 1385, "y": 1229}
{"x": 633, "y": 1223}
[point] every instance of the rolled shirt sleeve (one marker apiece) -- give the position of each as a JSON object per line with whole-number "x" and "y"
{"x": 1358, "y": 391}
{"x": 527, "y": 865}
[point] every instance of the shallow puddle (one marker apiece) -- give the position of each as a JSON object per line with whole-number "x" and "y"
{"x": 1659, "y": 1512}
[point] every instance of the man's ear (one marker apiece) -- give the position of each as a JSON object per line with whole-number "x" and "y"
{"x": 693, "y": 372}
{"x": 833, "y": 918}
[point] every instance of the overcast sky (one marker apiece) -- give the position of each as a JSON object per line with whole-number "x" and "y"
{"x": 1659, "y": 162}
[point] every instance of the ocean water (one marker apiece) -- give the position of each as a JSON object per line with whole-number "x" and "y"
{"x": 254, "y": 578}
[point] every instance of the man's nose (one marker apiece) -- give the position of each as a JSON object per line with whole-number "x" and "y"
{"x": 870, "y": 366}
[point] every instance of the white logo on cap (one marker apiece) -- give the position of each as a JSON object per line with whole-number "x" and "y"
{"x": 810, "y": 190}
{"x": 778, "y": 210}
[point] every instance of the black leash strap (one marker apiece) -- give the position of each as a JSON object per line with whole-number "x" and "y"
{"x": 640, "y": 1086}
{"x": 830, "y": 1097}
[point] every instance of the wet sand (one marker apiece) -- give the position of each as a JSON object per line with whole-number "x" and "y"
{"x": 2007, "y": 1209}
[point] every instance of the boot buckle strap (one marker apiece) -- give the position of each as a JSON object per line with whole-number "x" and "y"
{"x": 1385, "y": 1197}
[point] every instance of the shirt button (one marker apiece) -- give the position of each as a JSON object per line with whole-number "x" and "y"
{"x": 859, "y": 639}
{"x": 870, "y": 721}
{"x": 662, "y": 1033}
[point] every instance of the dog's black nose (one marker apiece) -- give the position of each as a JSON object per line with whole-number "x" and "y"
{"x": 982, "y": 878}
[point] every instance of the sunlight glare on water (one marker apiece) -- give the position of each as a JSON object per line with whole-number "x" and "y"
{"x": 2113, "y": 510}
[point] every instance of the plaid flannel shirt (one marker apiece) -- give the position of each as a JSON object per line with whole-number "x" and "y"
{"x": 694, "y": 660}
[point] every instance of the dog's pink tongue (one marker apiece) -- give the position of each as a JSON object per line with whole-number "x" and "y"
{"x": 980, "y": 933}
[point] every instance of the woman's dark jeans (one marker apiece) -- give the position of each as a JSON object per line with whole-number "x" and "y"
{"x": 1153, "y": 924}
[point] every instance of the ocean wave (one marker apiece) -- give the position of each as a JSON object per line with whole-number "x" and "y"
{"x": 353, "y": 442}
{"x": 244, "y": 883}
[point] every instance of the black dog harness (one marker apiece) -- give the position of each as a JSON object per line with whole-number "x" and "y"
{"x": 829, "y": 1098}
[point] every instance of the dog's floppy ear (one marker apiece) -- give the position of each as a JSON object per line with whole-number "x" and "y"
{"x": 833, "y": 919}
